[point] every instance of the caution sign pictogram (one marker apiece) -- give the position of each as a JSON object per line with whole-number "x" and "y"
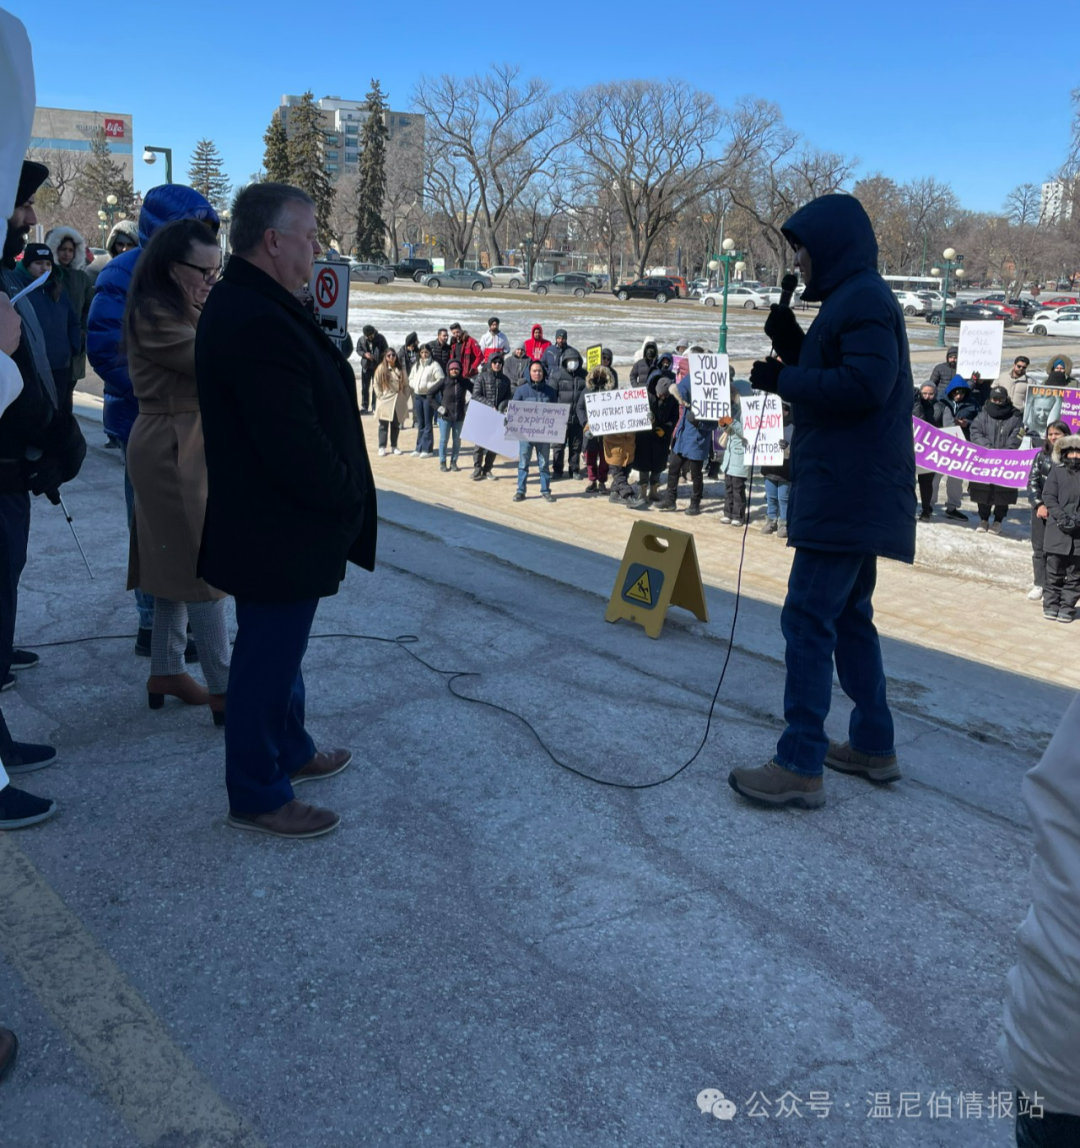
{"x": 659, "y": 569}
{"x": 643, "y": 585}
{"x": 330, "y": 294}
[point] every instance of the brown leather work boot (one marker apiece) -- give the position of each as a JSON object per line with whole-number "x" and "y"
{"x": 771, "y": 784}
{"x": 294, "y": 819}
{"x": 874, "y": 767}
{"x": 9, "y": 1051}
{"x": 322, "y": 765}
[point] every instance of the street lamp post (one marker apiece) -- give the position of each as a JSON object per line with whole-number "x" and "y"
{"x": 528, "y": 255}
{"x": 105, "y": 215}
{"x": 149, "y": 157}
{"x": 954, "y": 263}
{"x": 225, "y": 216}
{"x": 729, "y": 255}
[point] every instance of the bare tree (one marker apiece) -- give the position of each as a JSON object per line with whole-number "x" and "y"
{"x": 773, "y": 172}
{"x": 404, "y": 191}
{"x": 451, "y": 190}
{"x": 504, "y": 132}
{"x": 652, "y": 144}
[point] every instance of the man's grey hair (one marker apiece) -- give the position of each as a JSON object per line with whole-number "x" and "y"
{"x": 259, "y": 207}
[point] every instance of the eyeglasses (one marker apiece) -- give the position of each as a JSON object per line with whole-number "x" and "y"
{"x": 209, "y": 274}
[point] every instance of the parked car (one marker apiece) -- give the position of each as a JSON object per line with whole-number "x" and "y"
{"x": 934, "y": 298}
{"x": 567, "y": 283}
{"x": 1068, "y": 309}
{"x": 370, "y": 273}
{"x": 599, "y": 282}
{"x": 651, "y": 287}
{"x": 1058, "y": 323}
{"x": 413, "y": 269}
{"x": 1000, "y": 305}
{"x": 457, "y": 277}
{"x": 956, "y": 315}
{"x": 911, "y": 302}
{"x": 1056, "y": 301}
{"x": 507, "y": 276}
{"x": 737, "y": 296}
{"x": 698, "y": 287}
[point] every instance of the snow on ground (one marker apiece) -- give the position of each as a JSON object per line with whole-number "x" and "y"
{"x": 957, "y": 549}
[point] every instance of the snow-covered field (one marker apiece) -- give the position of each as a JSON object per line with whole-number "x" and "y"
{"x": 398, "y": 308}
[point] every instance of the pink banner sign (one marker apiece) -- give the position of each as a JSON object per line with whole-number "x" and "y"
{"x": 940, "y": 452}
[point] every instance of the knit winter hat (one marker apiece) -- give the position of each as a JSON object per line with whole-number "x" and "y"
{"x": 35, "y": 251}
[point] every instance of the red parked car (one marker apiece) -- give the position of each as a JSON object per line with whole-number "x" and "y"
{"x": 1057, "y": 301}
{"x": 999, "y": 306}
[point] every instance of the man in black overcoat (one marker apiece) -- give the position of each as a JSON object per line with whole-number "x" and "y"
{"x": 291, "y": 499}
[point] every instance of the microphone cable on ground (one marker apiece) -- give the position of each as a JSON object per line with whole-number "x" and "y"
{"x": 404, "y": 641}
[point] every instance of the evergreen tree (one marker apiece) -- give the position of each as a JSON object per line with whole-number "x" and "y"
{"x": 206, "y": 176}
{"x": 307, "y": 162}
{"x": 371, "y": 185}
{"x": 276, "y": 156}
{"x": 102, "y": 176}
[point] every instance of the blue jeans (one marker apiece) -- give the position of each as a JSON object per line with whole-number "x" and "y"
{"x": 265, "y": 738}
{"x": 828, "y": 613}
{"x": 425, "y": 424}
{"x": 144, "y": 603}
{"x": 543, "y": 454}
{"x": 446, "y": 428}
{"x": 776, "y": 499}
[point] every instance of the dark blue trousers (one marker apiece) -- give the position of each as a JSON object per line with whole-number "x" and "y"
{"x": 829, "y": 614}
{"x": 265, "y": 739}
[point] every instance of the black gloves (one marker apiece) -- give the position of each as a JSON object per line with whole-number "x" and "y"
{"x": 63, "y": 450}
{"x": 765, "y": 374}
{"x": 1070, "y": 523}
{"x": 787, "y": 336}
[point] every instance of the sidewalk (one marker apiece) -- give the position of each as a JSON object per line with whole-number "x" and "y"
{"x": 492, "y": 951}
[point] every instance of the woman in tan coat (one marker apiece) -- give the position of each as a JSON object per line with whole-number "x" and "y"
{"x": 391, "y": 386}
{"x": 167, "y": 463}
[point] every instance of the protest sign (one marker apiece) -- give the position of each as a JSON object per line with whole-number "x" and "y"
{"x": 592, "y": 356}
{"x": 939, "y": 451}
{"x": 617, "y": 412}
{"x": 1045, "y": 405}
{"x": 485, "y": 426}
{"x": 980, "y": 348}
{"x": 536, "y": 422}
{"x": 710, "y": 387}
{"x": 763, "y": 428}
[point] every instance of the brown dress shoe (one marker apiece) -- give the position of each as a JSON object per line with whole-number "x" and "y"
{"x": 9, "y": 1051}
{"x": 294, "y": 819}
{"x": 771, "y": 784}
{"x": 322, "y": 765}
{"x": 182, "y": 686}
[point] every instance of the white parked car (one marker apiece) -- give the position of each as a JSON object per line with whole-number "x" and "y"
{"x": 1069, "y": 309}
{"x": 1056, "y": 324}
{"x": 737, "y": 296}
{"x": 934, "y": 299}
{"x": 508, "y": 276}
{"x": 912, "y": 303}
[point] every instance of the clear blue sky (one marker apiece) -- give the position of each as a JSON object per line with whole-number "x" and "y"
{"x": 965, "y": 92}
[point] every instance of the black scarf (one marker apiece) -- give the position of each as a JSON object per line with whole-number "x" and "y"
{"x": 999, "y": 411}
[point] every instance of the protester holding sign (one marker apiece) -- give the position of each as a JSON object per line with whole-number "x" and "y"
{"x": 1061, "y": 494}
{"x": 536, "y": 390}
{"x": 568, "y": 379}
{"x": 848, "y": 380}
{"x": 651, "y": 451}
{"x": 1000, "y": 427}
{"x": 1040, "y": 468}
{"x": 689, "y": 451}
{"x": 735, "y": 468}
{"x": 598, "y": 380}
{"x": 778, "y": 483}
{"x": 492, "y": 388}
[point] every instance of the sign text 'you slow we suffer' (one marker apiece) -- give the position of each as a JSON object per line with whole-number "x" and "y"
{"x": 710, "y": 387}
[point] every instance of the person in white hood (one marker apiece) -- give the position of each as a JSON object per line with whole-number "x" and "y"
{"x": 1041, "y": 1041}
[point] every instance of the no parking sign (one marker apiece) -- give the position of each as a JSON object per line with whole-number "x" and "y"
{"x": 330, "y": 290}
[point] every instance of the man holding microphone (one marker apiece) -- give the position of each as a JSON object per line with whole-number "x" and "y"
{"x": 848, "y": 381}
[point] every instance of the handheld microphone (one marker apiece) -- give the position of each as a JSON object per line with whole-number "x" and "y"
{"x": 787, "y": 288}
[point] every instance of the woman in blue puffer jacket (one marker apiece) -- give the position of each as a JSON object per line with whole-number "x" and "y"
{"x": 164, "y": 204}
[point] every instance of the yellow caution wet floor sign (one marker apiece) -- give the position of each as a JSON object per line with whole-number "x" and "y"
{"x": 659, "y": 569}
